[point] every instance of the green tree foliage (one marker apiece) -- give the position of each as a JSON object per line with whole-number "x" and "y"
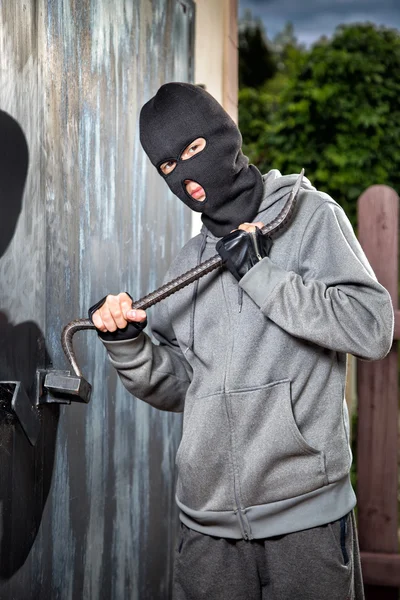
{"x": 257, "y": 61}
{"x": 288, "y": 51}
{"x": 257, "y": 105}
{"x": 337, "y": 114}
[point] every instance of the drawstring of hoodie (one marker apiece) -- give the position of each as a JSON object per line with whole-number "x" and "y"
{"x": 195, "y": 290}
{"x": 194, "y": 294}
{"x": 240, "y": 298}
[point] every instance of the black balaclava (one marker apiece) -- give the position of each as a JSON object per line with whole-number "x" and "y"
{"x": 177, "y": 115}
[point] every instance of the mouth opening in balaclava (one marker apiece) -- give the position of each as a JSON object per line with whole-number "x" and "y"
{"x": 176, "y": 116}
{"x": 194, "y": 191}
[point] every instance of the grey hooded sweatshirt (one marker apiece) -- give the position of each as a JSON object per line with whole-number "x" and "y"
{"x": 258, "y": 369}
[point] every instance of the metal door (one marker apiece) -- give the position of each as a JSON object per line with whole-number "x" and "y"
{"x": 89, "y": 511}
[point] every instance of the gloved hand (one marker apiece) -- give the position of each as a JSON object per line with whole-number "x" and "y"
{"x": 112, "y": 322}
{"x": 241, "y": 250}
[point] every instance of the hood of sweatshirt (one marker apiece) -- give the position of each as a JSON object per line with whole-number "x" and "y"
{"x": 277, "y": 188}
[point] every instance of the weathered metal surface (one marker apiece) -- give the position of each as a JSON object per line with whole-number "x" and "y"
{"x": 89, "y": 513}
{"x": 377, "y": 384}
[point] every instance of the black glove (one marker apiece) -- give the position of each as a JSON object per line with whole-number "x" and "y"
{"x": 241, "y": 250}
{"x": 131, "y": 331}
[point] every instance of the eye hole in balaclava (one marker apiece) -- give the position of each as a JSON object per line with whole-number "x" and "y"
{"x": 193, "y": 189}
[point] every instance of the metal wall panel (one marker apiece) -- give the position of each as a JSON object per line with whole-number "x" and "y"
{"x": 90, "y": 510}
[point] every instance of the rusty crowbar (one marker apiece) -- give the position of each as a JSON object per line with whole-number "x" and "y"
{"x": 177, "y": 284}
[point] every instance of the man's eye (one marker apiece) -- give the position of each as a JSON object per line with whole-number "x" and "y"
{"x": 194, "y": 148}
{"x": 167, "y": 167}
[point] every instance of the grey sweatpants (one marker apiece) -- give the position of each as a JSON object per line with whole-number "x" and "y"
{"x": 322, "y": 563}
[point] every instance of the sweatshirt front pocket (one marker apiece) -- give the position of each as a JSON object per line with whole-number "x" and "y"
{"x": 204, "y": 457}
{"x": 273, "y": 460}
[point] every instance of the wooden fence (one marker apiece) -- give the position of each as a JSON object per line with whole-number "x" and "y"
{"x": 378, "y": 411}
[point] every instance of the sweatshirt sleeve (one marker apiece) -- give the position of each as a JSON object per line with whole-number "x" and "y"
{"x": 333, "y": 299}
{"x": 159, "y": 374}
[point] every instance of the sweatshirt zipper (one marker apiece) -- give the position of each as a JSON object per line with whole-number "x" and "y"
{"x": 242, "y": 523}
{"x": 255, "y": 244}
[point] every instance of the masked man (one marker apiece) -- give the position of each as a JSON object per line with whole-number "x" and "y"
{"x": 255, "y": 356}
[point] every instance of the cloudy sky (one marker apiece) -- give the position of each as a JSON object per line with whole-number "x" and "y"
{"x": 313, "y": 18}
